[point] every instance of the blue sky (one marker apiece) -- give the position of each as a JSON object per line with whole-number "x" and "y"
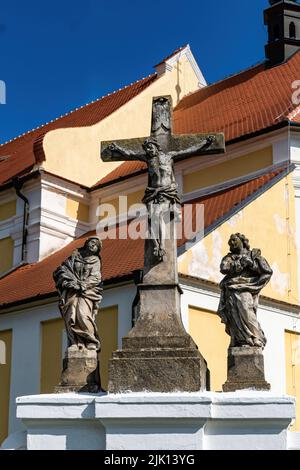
{"x": 58, "y": 55}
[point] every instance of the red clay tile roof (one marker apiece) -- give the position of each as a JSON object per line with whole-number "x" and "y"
{"x": 122, "y": 171}
{"x": 123, "y": 257}
{"x": 25, "y": 151}
{"x": 251, "y": 101}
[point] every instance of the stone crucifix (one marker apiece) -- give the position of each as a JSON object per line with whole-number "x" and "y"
{"x": 159, "y": 152}
{"x": 158, "y": 354}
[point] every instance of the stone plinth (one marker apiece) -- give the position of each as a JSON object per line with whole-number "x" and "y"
{"x": 161, "y": 370}
{"x": 153, "y": 421}
{"x": 80, "y": 372}
{"x": 245, "y": 370}
{"x": 158, "y": 355}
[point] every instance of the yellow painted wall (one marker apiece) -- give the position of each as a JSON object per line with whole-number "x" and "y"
{"x": 67, "y": 149}
{"x": 51, "y": 354}
{"x": 7, "y": 210}
{"x": 132, "y": 198}
{"x": 292, "y": 357}
{"x": 6, "y": 254}
{"x": 77, "y": 210}
{"x": 5, "y": 370}
{"x": 107, "y": 323}
{"x": 228, "y": 170}
{"x": 269, "y": 223}
{"x": 208, "y": 332}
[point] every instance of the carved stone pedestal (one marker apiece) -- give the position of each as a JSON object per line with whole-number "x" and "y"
{"x": 161, "y": 370}
{"x": 158, "y": 355}
{"x": 245, "y": 370}
{"x": 80, "y": 372}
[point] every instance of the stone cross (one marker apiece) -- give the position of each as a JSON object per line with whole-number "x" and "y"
{"x": 159, "y": 152}
{"x": 158, "y": 355}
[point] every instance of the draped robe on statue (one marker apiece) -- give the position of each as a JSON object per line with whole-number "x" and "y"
{"x": 78, "y": 281}
{"x": 239, "y": 297}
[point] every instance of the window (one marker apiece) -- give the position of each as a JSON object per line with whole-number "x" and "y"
{"x": 292, "y": 30}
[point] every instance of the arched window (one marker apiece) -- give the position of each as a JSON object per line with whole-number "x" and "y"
{"x": 276, "y": 32}
{"x": 292, "y": 30}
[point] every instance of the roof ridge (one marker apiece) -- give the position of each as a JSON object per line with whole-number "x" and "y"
{"x": 177, "y": 51}
{"x": 235, "y": 74}
{"x": 75, "y": 109}
{"x": 210, "y": 85}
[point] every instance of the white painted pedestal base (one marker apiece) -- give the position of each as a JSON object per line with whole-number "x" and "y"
{"x": 243, "y": 420}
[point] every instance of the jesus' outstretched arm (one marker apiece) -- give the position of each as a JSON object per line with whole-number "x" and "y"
{"x": 116, "y": 153}
{"x": 195, "y": 149}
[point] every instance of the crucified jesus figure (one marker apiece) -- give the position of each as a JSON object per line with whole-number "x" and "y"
{"x": 161, "y": 196}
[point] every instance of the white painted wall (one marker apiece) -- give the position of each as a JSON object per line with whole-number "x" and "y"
{"x": 153, "y": 421}
{"x": 49, "y": 227}
{"x": 56, "y": 228}
{"x": 281, "y": 150}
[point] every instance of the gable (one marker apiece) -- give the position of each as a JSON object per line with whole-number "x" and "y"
{"x": 74, "y": 153}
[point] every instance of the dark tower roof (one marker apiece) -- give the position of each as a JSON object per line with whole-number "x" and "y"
{"x": 283, "y": 21}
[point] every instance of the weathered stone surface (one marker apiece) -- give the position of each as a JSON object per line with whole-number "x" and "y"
{"x": 156, "y": 151}
{"x": 79, "y": 284}
{"x": 160, "y": 370}
{"x": 80, "y": 372}
{"x": 246, "y": 274}
{"x": 245, "y": 370}
{"x": 158, "y": 355}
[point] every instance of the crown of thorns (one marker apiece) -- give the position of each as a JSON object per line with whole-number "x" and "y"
{"x": 151, "y": 140}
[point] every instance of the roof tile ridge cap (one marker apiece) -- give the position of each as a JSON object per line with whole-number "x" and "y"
{"x": 229, "y": 77}
{"x": 76, "y": 109}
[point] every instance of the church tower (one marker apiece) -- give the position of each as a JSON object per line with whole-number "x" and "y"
{"x": 283, "y": 21}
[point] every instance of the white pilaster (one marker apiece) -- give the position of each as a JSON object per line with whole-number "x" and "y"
{"x": 295, "y": 158}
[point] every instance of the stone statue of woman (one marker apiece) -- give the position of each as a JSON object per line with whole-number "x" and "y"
{"x": 79, "y": 283}
{"x": 247, "y": 272}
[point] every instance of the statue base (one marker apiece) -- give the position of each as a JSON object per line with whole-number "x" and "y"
{"x": 246, "y": 370}
{"x": 80, "y": 372}
{"x": 158, "y": 355}
{"x": 158, "y": 370}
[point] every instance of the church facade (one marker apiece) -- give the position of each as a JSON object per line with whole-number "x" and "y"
{"x": 54, "y": 186}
